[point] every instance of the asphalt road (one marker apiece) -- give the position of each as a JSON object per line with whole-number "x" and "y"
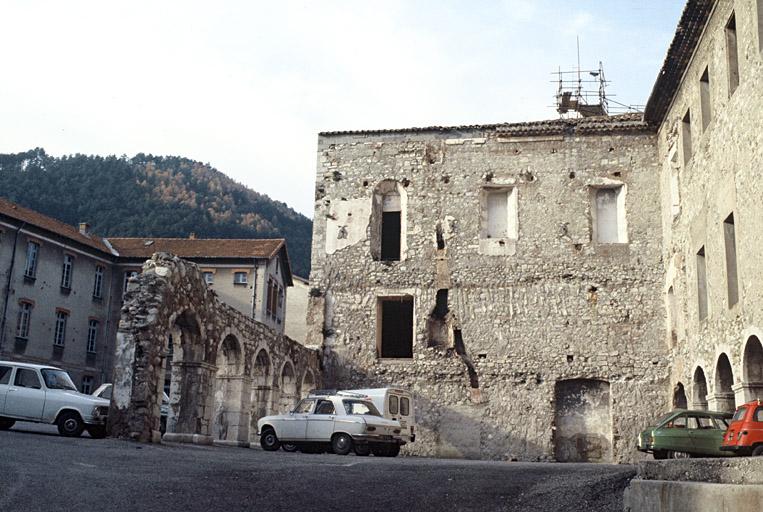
{"x": 40, "y": 471}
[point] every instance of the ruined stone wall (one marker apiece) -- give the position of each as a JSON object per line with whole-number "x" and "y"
{"x": 721, "y": 175}
{"x": 227, "y": 370}
{"x": 532, "y": 311}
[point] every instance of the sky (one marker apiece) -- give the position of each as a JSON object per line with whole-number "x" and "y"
{"x": 246, "y": 86}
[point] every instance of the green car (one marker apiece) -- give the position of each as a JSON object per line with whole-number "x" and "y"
{"x": 682, "y": 433}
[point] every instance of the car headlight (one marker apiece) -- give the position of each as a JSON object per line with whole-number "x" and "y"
{"x": 100, "y": 410}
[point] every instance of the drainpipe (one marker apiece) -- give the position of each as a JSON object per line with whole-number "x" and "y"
{"x": 254, "y": 291}
{"x": 8, "y": 285}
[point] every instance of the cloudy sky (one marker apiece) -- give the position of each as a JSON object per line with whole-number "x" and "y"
{"x": 247, "y": 85}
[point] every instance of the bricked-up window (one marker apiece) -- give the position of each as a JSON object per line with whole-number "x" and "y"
{"x": 32, "y": 254}
{"x": 22, "y": 321}
{"x": 701, "y": 283}
{"x": 98, "y": 282}
{"x": 66, "y": 271}
{"x": 609, "y": 215}
{"x": 87, "y": 384}
{"x": 395, "y": 327}
{"x": 92, "y": 335}
{"x": 499, "y": 213}
{"x": 732, "y": 280}
{"x": 686, "y": 136}
{"x": 390, "y": 228}
{"x": 59, "y": 333}
{"x": 704, "y": 99}
{"x": 732, "y": 56}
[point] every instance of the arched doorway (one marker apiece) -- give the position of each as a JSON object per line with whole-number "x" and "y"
{"x": 262, "y": 386}
{"x": 723, "y": 399}
{"x": 288, "y": 386}
{"x": 228, "y": 390}
{"x": 699, "y": 390}
{"x": 752, "y": 369}
{"x": 679, "y": 397}
{"x": 185, "y": 385}
{"x": 308, "y": 384}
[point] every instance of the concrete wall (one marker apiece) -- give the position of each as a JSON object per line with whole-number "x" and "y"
{"x": 548, "y": 306}
{"x": 721, "y": 177}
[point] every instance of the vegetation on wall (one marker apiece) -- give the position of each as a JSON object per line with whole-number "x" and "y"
{"x": 146, "y": 195}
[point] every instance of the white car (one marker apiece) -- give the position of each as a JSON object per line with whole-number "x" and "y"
{"x": 395, "y": 403}
{"x": 104, "y": 391}
{"x": 46, "y": 394}
{"x": 340, "y": 420}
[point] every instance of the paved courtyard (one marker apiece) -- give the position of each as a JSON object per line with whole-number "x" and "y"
{"x": 41, "y": 471}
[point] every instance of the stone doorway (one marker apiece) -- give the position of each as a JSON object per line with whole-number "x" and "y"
{"x": 723, "y": 399}
{"x": 699, "y": 390}
{"x": 583, "y": 421}
{"x": 230, "y": 424}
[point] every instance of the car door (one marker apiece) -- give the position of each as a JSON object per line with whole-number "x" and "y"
{"x": 293, "y": 426}
{"x": 675, "y": 436}
{"x": 706, "y": 437}
{"x": 5, "y": 381}
{"x": 320, "y": 424}
{"x": 26, "y": 396}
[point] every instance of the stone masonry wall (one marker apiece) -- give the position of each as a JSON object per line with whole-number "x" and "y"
{"x": 549, "y": 306}
{"x": 720, "y": 176}
{"x": 227, "y": 369}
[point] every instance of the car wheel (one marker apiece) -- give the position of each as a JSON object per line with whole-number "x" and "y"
{"x": 289, "y": 447}
{"x": 379, "y": 450}
{"x": 97, "y": 431}
{"x": 341, "y": 444}
{"x": 269, "y": 441}
{"x": 679, "y": 455}
{"x": 362, "y": 450}
{"x": 393, "y": 450}
{"x": 757, "y": 451}
{"x": 660, "y": 454}
{"x": 6, "y": 423}
{"x": 70, "y": 424}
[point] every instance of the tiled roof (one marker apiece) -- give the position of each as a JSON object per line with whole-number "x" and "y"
{"x": 51, "y": 225}
{"x": 197, "y": 247}
{"x": 586, "y": 125}
{"x": 690, "y": 27}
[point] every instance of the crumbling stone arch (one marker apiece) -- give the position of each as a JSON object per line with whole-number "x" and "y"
{"x": 723, "y": 396}
{"x": 699, "y": 390}
{"x": 308, "y": 383}
{"x": 752, "y": 369}
{"x": 262, "y": 387}
{"x": 679, "y": 397}
{"x": 389, "y": 204}
{"x": 231, "y": 419}
{"x": 288, "y": 387}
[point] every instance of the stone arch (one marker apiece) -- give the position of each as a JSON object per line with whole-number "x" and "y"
{"x": 389, "y": 224}
{"x": 287, "y": 383}
{"x": 723, "y": 398}
{"x": 679, "y": 397}
{"x": 308, "y": 383}
{"x": 699, "y": 389}
{"x": 229, "y": 424}
{"x": 752, "y": 364}
{"x": 262, "y": 387}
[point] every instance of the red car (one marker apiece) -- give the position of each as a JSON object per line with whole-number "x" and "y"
{"x": 745, "y": 433}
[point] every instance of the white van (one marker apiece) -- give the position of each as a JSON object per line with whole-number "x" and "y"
{"x": 395, "y": 404}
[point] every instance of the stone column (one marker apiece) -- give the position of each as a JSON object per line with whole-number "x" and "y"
{"x": 747, "y": 391}
{"x": 721, "y": 401}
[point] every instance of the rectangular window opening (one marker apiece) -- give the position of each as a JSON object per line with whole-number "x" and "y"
{"x": 92, "y": 336}
{"x": 732, "y": 56}
{"x": 686, "y": 136}
{"x": 609, "y": 211}
{"x": 59, "y": 333}
{"x": 239, "y": 278}
{"x": 66, "y": 272}
{"x": 32, "y": 254}
{"x": 22, "y": 323}
{"x": 701, "y": 283}
{"x": 87, "y": 384}
{"x": 98, "y": 282}
{"x": 396, "y": 336}
{"x": 499, "y": 215}
{"x": 704, "y": 97}
{"x": 732, "y": 280}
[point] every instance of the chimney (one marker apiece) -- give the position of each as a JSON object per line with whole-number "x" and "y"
{"x": 84, "y": 228}
{"x": 192, "y": 236}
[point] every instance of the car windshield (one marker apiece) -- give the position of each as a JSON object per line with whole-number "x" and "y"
{"x": 662, "y": 419}
{"x": 58, "y": 379}
{"x": 360, "y": 407}
{"x": 739, "y": 414}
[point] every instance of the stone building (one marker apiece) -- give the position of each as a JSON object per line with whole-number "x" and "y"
{"x": 296, "y": 305}
{"x": 509, "y": 274}
{"x": 707, "y": 104}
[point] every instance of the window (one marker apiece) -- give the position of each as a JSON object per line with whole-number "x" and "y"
{"x": 732, "y": 280}
{"x": 701, "y": 283}
{"x": 87, "y": 384}
{"x": 239, "y": 278}
{"x": 209, "y": 277}
{"x": 22, "y": 323}
{"x": 27, "y": 379}
{"x": 5, "y": 374}
{"x": 732, "y": 57}
{"x": 98, "y": 282}
{"x": 388, "y": 221}
{"x": 686, "y": 136}
{"x": 92, "y": 335}
{"x": 59, "y": 334}
{"x": 405, "y": 406}
{"x": 279, "y": 308}
{"x": 128, "y": 275}
{"x": 393, "y": 404}
{"x": 395, "y": 327}
{"x": 609, "y": 215}
{"x": 305, "y": 406}
{"x": 66, "y": 272}
{"x": 704, "y": 99}
{"x": 758, "y": 414}
{"x": 32, "y": 254}
{"x": 499, "y": 213}
{"x": 324, "y": 407}
{"x": 390, "y": 227}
